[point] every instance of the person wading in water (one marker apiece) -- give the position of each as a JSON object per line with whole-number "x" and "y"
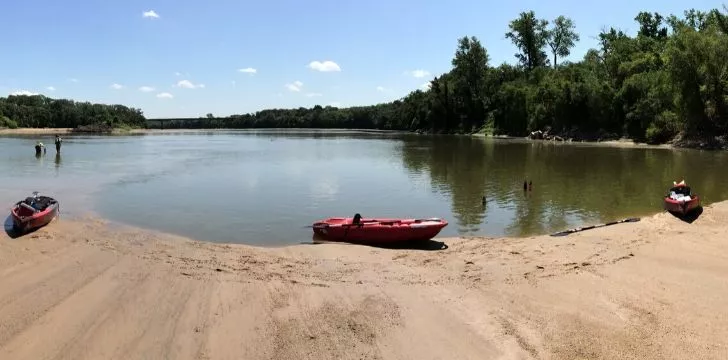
{"x": 39, "y": 147}
{"x": 58, "y": 143}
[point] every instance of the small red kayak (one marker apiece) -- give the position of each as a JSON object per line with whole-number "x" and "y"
{"x": 34, "y": 212}
{"x": 378, "y": 231}
{"x": 680, "y": 200}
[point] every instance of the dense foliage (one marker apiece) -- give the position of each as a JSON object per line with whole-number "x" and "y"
{"x": 668, "y": 79}
{"x": 41, "y": 111}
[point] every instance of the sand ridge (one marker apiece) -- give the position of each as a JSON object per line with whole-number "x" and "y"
{"x": 83, "y": 289}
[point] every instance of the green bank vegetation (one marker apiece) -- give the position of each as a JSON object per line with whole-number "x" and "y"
{"x": 38, "y": 111}
{"x": 668, "y": 80}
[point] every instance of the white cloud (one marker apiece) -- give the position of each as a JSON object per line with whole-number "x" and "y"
{"x": 116, "y": 86}
{"x": 73, "y": 80}
{"x": 165, "y": 95}
{"x": 419, "y": 73}
{"x": 177, "y": 73}
{"x": 383, "y": 89}
{"x": 334, "y": 104}
{"x": 249, "y": 70}
{"x": 295, "y": 86}
{"x": 314, "y": 94}
{"x": 23, "y": 92}
{"x": 186, "y": 84}
{"x": 150, "y": 14}
{"x": 51, "y": 88}
{"x": 425, "y": 86}
{"x": 146, "y": 89}
{"x": 325, "y": 66}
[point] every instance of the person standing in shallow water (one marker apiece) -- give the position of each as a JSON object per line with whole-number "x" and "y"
{"x": 39, "y": 147}
{"x": 58, "y": 143}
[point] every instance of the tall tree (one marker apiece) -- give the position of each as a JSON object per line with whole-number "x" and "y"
{"x": 650, "y": 25}
{"x": 720, "y": 19}
{"x": 470, "y": 66}
{"x": 529, "y": 35}
{"x": 562, "y": 37}
{"x": 694, "y": 19}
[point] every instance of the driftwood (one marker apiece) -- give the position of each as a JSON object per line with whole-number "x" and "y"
{"x": 544, "y": 135}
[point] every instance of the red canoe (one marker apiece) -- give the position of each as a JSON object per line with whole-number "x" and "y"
{"x": 33, "y": 212}
{"x": 680, "y": 200}
{"x": 380, "y": 231}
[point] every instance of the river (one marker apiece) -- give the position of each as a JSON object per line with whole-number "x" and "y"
{"x": 263, "y": 187}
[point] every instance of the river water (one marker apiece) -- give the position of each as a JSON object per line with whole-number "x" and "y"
{"x": 264, "y": 186}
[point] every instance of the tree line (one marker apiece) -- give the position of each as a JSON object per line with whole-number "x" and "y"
{"x": 40, "y": 111}
{"x": 668, "y": 79}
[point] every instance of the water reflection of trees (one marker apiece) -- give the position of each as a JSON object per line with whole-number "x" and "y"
{"x": 572, "y": 184}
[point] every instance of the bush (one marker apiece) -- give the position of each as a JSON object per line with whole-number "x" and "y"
{"x": 6, "y": 122}
{"x": 663, "y": 128}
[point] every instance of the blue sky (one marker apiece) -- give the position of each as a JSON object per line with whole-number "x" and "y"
{"x": 184, "y": 57}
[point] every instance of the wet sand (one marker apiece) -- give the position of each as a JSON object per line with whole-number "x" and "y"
{"x": 86, "y": 289}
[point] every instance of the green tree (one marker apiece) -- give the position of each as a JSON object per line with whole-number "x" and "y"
{"x": 529, "y": 35}
{"x": 562, "y": 37}
{"x": 42, "y": 111}
{"x": 470, "y": 66}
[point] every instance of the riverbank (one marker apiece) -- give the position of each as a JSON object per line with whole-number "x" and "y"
{"x": 699, "y": 143}
{"x": 66, "y": 131}
{"x": 622, "y": 143}
{"x": 648, "y": 290}
{"x": 717, "y": 143}
{"x": 35, "y": 131}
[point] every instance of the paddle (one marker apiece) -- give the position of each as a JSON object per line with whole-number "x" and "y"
{"x": 567, "y": 232}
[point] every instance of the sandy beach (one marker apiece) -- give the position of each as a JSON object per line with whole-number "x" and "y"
{"x": 35, "y": 131}
{"x": 65, "y": 131}
{"x": 87, "y": 289}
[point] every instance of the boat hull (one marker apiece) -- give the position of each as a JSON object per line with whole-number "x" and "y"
{"x": 681, "y": 207}
{"x": 24, "y": 219}
{"x": 378, "y": 231}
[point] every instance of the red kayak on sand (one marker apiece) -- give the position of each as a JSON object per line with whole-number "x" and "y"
{"x": 379, "y": 231}
{"x": 33, "y": 212}
{"x": 680, "y": 200}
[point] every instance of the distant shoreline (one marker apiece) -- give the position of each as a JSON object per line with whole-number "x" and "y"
{"x": 69, "y": 131}
{"x": 621, "y": 143}
{"x": 63, "y": 131}
{"x": 35, "y": 131}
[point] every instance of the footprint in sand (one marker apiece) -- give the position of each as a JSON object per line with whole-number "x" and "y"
{"x": 622, "y": 258}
